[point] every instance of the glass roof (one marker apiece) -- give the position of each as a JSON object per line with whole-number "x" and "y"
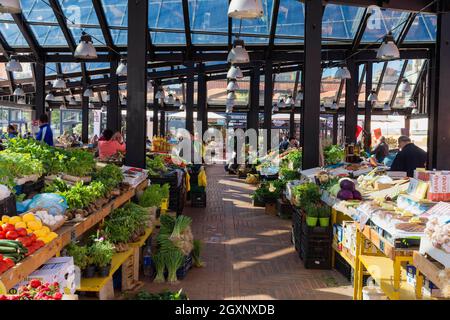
{"x": 381, "y": 22}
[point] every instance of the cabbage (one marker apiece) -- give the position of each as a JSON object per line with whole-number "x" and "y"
{"x": 334, "y": 190}
{"x": 345, "y": 194}
{"x": 357, "y": 195}
{"x": 347, "y": 184}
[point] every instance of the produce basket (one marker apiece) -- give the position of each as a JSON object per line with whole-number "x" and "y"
{"x": 52, "y": 227}
{"x": 76, "y": 179}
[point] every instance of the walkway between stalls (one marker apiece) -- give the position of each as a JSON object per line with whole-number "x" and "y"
{"x": 248, "y": 254}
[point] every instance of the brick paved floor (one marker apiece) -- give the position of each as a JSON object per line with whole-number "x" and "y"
{"x": 248, "y": 254}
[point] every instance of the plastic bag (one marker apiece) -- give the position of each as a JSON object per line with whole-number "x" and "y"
{"x": 54, "y": 203}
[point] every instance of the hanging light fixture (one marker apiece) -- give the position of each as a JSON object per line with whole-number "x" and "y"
{"x": 72, "y": 101}
{"x": 372, "y": 97}
{"x": 415, "y": 111}
{"x": 275, "y": 108}
{"x": 322, "y": 108}
{"x": 177, "y": 103}
{"x": 21, "y": 100}
{"x": 335, "y": 106}
{"x": 231, "y": 96}
{"x": 10, "y": 6}
{"x": 342, "y": 73}
{"x": 85, "y": 49}
{"x": 122, "y": 68}
{"x": 182, "y": 107}
{"x": 411, "y": 104}
{"x": 387, "y": 107}
{"x": 62, "y": 107}
{"x": 405, "y": 86}
{"x": 238, "y": 54}
{"x": 388, "y": 49}
{"x": 49, "y": 97}
{"x": 232, "y": 86}
{"x": 395, "y": 114}
{"x": 59, "y": 83}
{"x": 245, "y": 9}
{"x": 104, "y": 108}
{"x": 124, "y": 100}
{"x": 289, "y": 101}
{"x": 159, "y": 94}
{"x": 229, "y": 109}
{"x": 234, "y": 73}
{"x": 19, "y": 92}
{"x": 13, "y": 65}
{"x": 170, "y": 99}
{"x": 281, "y": 103}
{"x": 88, "y": 93}
{"x": 107, "y": 98}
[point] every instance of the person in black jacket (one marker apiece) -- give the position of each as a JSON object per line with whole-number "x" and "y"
{"x": 409, "y": 158}
{"x": 381, "y": 151}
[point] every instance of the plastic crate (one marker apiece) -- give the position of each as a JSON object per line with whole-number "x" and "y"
{"x": 8, "y": 206}
{"x": 197, "y": 189}
{"x": 183, "y": 270}
{"x": 198, "y": 200}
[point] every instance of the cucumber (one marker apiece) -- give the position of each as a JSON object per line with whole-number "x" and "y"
{"x": 8, "y": 250}
{"x": 11, "y": 243}
{"x": 14, "y": 258}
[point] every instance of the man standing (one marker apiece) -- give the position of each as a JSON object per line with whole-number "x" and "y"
{"x": 381, "y": 151}
{"x": 409, "y": 158}
{"x": 284, "y": 144}
{"x": 45, "y": 133}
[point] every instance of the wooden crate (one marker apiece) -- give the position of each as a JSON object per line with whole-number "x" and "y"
{"x": 271, "y": 209}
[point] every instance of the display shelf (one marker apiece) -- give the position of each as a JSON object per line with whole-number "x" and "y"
{"x": 431, "y": 271}
{"x": 384, "y": 245}
{"x": 66, "y": 233}
{"x": 97, "y": 284}
{"x": 349, "y": 259}
{"x": 142, "y": 239}
{"x": 382, "y": 270}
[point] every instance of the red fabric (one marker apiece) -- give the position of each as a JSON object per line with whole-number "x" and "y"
{"x": 359, "y": 129}
{"x": 377, "y": 133}
{"x": 109, "y": 148}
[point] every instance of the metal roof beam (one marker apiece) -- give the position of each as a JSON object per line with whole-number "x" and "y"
{"x": 273, "y": 27}
{"x": 28, "y": 35}
{"x": 187, "y": 29}
{"x": 62, "y": 21}
{"x": 98, "y": 7}
{"x": 409, "y": 5}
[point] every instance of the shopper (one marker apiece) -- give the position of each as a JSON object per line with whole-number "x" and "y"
{"x": 110, "y": 144}
{"x": 381, "y": 151}
{"x": 45, "y": 133}
{"x": 293, "y": 143}
{"x": 12, "y": 131}
{"x": 284, "y": 144}
{"x": 409, "y": 158}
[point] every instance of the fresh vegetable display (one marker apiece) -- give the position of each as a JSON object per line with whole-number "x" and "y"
{"x": 306, "y": 193}
{"x": 348, "y": 190}
{"x": 291, "y": 159}
{"x": 36, "y": 290}
{"x": 152, "y": 196}
{"x": 333, "y": 154}
{"x": 110, "y": 176}
{"x": 156, "y": 166}
{"x": 16, "y": 165}
{"x": 79, "y": 163}
{"x": 26, "y": 227}
{"x": 166, "y": 295}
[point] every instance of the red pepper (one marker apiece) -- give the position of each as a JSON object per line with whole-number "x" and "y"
{"x": 35, "y": 283}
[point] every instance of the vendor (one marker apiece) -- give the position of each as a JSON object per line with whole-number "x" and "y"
{"x": 409, "y": 158}
{"x": 381, "y": 151}
{"x": 12, "y": 131}
{"x": 110, "y": 144}
{"x": 45, "y": 133}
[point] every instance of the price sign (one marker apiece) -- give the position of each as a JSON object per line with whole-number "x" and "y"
{"x": 363, "y": 218}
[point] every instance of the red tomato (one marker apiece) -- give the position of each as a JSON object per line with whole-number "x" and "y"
{"x": 2, "y": 235}
{"x": 9, "y": 262}
{"x": 1, "y": 257}
{"x": 12, "y": 235}
{"x": 32, "y": 237}
{"x": 8, "y": 227}
{"x": 40, "y": 243}
{"x": 22, "y": 232}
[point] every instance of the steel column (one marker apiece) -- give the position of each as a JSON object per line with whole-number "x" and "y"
{"x": 310, "y": 117}
{"x": 202, "y": 100}
{"x": 368, "y": 108}
{"x": 137, "y": 83}
{"x": 155, "y": 110}
{"x": 439, "y": 140}
{"x": 253, "y": 114}
{"x": 268, "y": 99}
{"x": 351, "y": 102}
{"x": 39, "y": 99}
{"x": 162, "y": 124}
{"x": 113, "y": 115}
{"x": 84, "y": 115}
{"x": 335, "y": 127}
{"x": 190, "y": 98}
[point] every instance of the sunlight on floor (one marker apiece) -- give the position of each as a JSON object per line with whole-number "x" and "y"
{"x": 276, "y": 254}
{"x": 271, "y": 233}
{"x": 251, "y": 297}
{"x": 238, "y": 241}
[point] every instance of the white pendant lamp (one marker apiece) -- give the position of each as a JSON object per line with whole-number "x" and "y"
{"x": 238, "y": 54}
{"x": 299, "y": 96}
{"x": 10, "y": 6}
{"x": 107, "y": 98}
{"x": 232, "y": 86}
{"x": 85, "y": 49}
{"x": 62, "y": 107}
{"x": 415, "y": 111}
{"x": 322, "y": 108}
{"x": 388, "y": 49}
{"x": 177, "y": 103}
{"x": 170, "y": 99}
{"x": 122, "y": 68}
{"x": 343, "y": 73}
{"x": 49, "y": 97}
{"x": 395, "y": 114}
{"x": 160, "y": 94}
{"x": 18, "y": 92}
{"x": 281, "y": 103}
{"x": 229, "y": 109}
{"x": 275, "y": 108}
{"x": 387, "y": 107}
{"x": 72, "y": 101}
{"x": 124, "y": 101}
{"x": 104, "y": 108}
{"x": 13, "y": 65}
{"x": 182, "y": 107}
{"x": 289, "y": 101}
{"x": 245, "y": 9}
{"x": 234, "y": 73}
{"x": 59, "y": 83}
{"x": 88, "y": 93}
{"x": 405, "y": 86}
{"x": 372, "y": 97}
{"x": 21, "y": 100}
{"x": 231, "y": 96}
{"x": 334, "y": 106}
{"x": 411, "y": 104}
